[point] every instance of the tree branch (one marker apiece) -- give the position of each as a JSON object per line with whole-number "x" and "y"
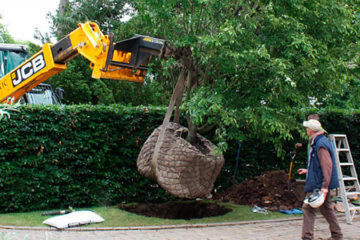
{"x": 206, "y": 128}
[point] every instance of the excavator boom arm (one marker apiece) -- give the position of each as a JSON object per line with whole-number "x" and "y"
{"x": 125, "y": 60}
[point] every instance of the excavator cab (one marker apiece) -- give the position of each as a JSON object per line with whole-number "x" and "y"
{"x": 11, "y": 56}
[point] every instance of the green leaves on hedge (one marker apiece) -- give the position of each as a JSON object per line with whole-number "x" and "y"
{"x": 53, "y": 157}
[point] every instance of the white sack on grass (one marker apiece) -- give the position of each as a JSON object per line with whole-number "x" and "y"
{"x": 73, "y": 219}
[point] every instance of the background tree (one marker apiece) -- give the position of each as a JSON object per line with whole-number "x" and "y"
{"x": 249, "y": 63}
{"x": 4, "y": 34}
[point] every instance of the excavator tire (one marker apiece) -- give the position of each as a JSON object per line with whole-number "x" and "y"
{"x": 181, "y": 168}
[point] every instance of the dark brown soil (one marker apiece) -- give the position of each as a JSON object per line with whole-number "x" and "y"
{"x": 269, "y": 190}
{"x": 177, "y": 210}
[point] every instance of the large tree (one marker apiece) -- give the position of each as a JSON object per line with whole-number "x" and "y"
{"x": 249, "y": 63}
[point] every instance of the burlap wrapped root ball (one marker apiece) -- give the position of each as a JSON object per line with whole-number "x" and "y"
{"x": 181, "y": 168}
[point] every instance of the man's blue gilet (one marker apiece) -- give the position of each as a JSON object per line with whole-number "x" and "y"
{"x": 314, "y": 177}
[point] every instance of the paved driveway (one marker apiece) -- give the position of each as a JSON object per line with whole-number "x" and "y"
{"x": 257, "y": 230}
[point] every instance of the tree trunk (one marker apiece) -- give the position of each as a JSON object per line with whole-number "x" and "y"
{"x": 62, "y": 6}
{"x": 179, "y": 97}
{"x": 191, "y": 136}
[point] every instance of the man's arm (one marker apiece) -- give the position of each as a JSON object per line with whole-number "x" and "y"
{"x": 326, "y": 168}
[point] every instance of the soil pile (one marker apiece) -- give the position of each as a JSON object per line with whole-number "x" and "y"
{"x": 176, "y": 210}
{"x": 269, "y": 190}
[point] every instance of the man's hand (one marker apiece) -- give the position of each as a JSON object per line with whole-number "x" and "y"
{"x": 302, "y": 171}
{"x": 325, "y": 191}
{"x": 298, "y": 145}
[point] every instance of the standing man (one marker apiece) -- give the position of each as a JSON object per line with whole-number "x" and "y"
{"x": 320, "y": 174}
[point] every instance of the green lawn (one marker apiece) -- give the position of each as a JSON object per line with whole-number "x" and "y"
{"x": 115, "y": 217}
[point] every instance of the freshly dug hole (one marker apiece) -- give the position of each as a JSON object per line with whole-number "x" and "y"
{"x": 177, "y": 210}
{"x": 182, "y": 169}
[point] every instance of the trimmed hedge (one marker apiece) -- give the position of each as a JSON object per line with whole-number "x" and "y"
{"x": 80, "y": 156}
{"x": 53, "y": 157}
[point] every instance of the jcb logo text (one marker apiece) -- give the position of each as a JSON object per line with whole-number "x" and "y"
{"x": 27, "y": 70}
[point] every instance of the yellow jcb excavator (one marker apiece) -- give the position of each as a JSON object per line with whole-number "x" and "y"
{"x": 125, "y": 60}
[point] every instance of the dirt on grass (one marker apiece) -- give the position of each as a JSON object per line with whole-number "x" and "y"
{"x": 177, "y": 210}
{"x": 270, "y": 190}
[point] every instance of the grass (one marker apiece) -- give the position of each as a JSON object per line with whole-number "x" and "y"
{"x": 114, "y": 217}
